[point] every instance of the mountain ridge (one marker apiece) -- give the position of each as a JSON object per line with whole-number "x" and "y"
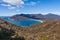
{"x": 35, "y": 16}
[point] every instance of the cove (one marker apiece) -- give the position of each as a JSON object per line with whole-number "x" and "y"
{"x": 23, "y": 23}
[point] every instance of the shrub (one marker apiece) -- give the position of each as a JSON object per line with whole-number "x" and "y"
{"x": 43, "y": 38}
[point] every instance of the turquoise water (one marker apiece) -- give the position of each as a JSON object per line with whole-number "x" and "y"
{"x": 21, "y": 22}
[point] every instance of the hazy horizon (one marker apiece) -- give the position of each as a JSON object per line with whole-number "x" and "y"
{"x": 10, "y": 7}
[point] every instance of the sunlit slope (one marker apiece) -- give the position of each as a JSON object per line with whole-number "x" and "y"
{"x": 49, "y": 30}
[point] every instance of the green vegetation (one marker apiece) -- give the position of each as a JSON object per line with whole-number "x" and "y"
{"x": 1, "y": 22}
{"x": 9, "y": 34}
{"x": 5, "y": 34}
{"x": 43, "y": 38}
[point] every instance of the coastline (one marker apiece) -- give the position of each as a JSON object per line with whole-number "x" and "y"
{"x": 37, "y": 20}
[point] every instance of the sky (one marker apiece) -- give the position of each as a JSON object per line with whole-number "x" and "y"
{"x": 12, "y": 7}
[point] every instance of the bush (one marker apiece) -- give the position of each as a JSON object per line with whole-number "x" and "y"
{"x": 43, "y": 38}
{"x": 1, "y": 23}
{"x": 9, "y": 35}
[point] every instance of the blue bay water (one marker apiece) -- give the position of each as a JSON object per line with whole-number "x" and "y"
{"x": 21, "y": 22}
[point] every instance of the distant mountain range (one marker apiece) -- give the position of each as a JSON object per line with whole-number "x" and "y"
{"x": 35, "y": 16}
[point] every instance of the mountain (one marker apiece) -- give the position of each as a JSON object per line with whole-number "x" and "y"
{"x": 26, "y": 16}
{"x": 52, "y": 16}
{"x": 48, "y": 30}
{"x": 35, "y": 16}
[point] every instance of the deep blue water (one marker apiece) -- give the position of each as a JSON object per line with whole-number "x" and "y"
{"x": 20, "y": 22}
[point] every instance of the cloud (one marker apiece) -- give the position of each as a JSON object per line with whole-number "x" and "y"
{"x": 10, "y": 8}
{"x": 31, "y": 3}
{"x": 14, "y": 2}
{"x": 18, "y": 3}
{"x": 5, "y": 5}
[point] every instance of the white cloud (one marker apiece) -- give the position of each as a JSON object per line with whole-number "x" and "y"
{"x": 10, "y": 8}
{"x": 5, "y": 5}
{"x": 14, "y": 2}
{"x": 31, "y": 3}
{"x": 17, "y": 3}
